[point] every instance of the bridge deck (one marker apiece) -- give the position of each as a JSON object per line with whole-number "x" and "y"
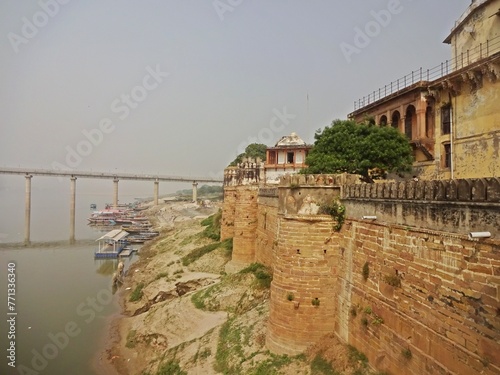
{"x": 104, "y": 175}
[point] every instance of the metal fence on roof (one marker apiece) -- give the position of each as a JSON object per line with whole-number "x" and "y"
{"x": 481, "y": 51}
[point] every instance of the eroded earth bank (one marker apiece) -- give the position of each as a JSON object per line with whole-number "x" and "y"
{"x": 183, "y": 314}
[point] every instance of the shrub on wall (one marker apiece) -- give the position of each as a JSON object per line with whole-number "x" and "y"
{"x": 377, "y": 320}
{"x": 393, "y": 280}
{"x": 406, "y": 353}
{"x": 262, "y": 274}
{"x": 336, "y": 210}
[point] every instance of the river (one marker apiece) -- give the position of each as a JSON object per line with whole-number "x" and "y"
{"x": 63, "y": 300}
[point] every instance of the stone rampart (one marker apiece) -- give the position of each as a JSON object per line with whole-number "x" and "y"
{"x": 228, "y": 212}
{"x": 465, "y": 190}
{"x": 418, "y": 299}
{"x": 318, "y": 180}
{"x": 267, "y": 226}
{"x": 302, "y": 305}
{"x": 454, "y": 206}
{"x": 245, "y": 227}
{"x": 409, "y": 289}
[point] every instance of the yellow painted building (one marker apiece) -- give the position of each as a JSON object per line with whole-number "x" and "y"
{"x": 450, "y": 113}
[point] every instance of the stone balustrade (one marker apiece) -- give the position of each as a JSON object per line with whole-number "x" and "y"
{"x": 248, "y": 172}
{"x": 470, "y": 190}
{"x": 318, "y": 180}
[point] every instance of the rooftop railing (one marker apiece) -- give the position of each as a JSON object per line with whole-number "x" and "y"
{"x": 481, "y": 51}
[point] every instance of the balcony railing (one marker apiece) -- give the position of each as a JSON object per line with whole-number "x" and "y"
{"x": 481, "y": 51}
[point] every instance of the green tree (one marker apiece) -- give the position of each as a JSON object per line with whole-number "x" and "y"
{"x": 254, "y": 151}
{"x": 365, "y": 149}
{"x": 237, "y": 160}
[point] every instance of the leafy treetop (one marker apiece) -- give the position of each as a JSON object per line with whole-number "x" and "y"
{"x": 365, "y": 149}
{"x": 254, "y": 151}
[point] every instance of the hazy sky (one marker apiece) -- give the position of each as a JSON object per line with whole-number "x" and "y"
{"x": 180, "y": 87}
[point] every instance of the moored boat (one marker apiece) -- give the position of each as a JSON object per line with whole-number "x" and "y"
{"x": 111, "y": 244}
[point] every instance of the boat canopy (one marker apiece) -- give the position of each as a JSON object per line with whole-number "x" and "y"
{"x": 114, "y": 235}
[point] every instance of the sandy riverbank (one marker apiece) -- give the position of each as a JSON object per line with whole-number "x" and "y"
{"x": 115, "y": 358}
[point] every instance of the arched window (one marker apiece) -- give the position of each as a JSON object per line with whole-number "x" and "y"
{"x": 383, "y": 120}
{"x": 396, "y": 116}
{"x": 410, "y": 120}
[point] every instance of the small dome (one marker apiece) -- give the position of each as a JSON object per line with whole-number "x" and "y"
{"x": 291, "y": 140}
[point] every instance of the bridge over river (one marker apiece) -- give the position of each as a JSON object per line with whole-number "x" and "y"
{"x": 28, "y": 173}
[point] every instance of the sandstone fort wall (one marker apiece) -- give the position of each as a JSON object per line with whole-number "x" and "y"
{"x": 409, "y": 289}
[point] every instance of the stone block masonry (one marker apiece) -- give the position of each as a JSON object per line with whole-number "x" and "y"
{"x": 267, "y": 227}
{"x": 228, "y": 211}
{"x": 244, "y": 225}
{"x": 302, "y": 306}
{"x": 452, "y": 206}
{"x": 427, "y": 293}
{"x": 409, "y": 289}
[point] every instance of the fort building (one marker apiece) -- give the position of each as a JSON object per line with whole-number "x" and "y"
{"x": 450, "y": 112}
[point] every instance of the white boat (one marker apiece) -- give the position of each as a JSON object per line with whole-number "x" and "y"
{"x": 111, "y": 244}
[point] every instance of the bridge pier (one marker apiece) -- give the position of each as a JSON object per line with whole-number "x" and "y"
{"x": 195, "y": 191}
{"x": 156, "y": 189}
{"x": 115, "y": 195}
{"x": 27, "y": 209}
{"x": 72, "y": 205}
{"x": 28, "y": 173}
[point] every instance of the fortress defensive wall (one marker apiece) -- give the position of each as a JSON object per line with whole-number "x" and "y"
{"x": 400, "y": 280}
